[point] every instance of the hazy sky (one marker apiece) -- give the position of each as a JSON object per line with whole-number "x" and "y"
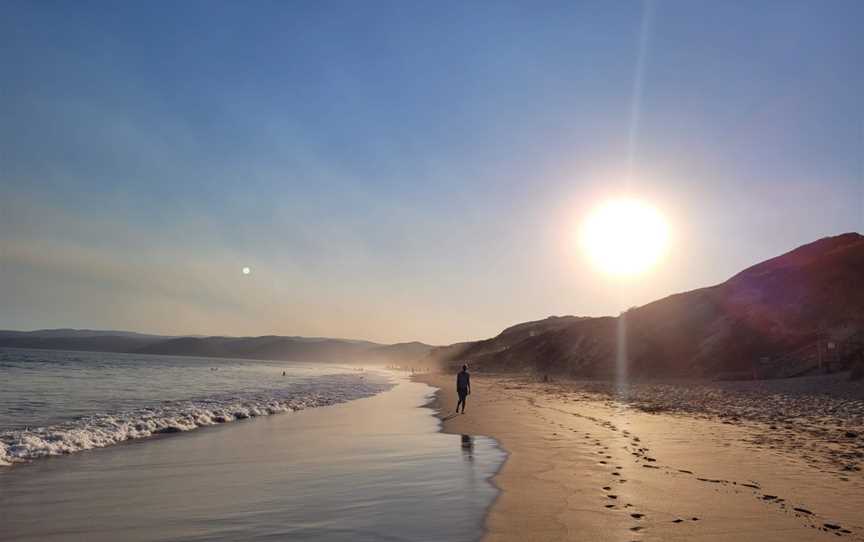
{"x": 406, "y": 170}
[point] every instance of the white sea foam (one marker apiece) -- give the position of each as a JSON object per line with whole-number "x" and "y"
{"x": 101, "y": 430}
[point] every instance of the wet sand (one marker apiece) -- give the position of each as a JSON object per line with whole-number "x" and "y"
{"x": 584, "y": 465}
{"x": 370, "y": 469}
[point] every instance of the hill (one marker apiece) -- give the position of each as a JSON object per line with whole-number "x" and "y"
{"x": 766, "y": 310}
{"x": 67, "y": 333}
{"x": 269, "y": 347}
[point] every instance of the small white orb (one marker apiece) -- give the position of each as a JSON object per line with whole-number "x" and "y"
{"x": 247, "y": 270}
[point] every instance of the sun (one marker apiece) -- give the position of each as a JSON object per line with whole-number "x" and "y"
{"x": 624, "y": 237}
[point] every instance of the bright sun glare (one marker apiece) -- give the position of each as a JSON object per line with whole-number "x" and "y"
{"x": 624, "y": 237}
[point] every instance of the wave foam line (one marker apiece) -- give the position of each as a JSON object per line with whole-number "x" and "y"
{"x": 102, "y": 430}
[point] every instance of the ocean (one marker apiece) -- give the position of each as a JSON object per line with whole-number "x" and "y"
{"x": 134, "y": 447}
{"x": 55, "y": 402}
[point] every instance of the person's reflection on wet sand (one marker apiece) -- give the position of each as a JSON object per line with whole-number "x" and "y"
{"x": 468, "y": 447}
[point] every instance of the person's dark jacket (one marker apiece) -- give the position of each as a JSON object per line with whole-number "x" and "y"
{"x": 463, "y": 383}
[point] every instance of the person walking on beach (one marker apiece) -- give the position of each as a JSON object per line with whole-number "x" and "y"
{"x": 463, "y": 387}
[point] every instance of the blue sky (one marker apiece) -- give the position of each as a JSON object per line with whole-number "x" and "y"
{"x": 406, "y": 170}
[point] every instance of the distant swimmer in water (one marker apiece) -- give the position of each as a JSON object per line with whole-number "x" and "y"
{"x": 463, "y": 387}
{"x": 283, "y": 373}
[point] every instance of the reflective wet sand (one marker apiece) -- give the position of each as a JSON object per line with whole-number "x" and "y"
{"x": 371, "y": 469}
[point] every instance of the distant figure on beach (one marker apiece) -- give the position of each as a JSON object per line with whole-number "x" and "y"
{"x": 463, "y": 387}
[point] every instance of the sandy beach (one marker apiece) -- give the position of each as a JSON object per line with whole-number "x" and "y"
{"x": 668, "y": 461}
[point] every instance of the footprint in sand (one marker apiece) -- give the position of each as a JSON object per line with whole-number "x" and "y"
{"x": 611, "y": 496}
{"x": 637, "y": 515}
{"x": 606, "y": 488}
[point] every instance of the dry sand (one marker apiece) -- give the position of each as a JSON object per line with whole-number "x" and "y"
{"x": 672, "y": 462}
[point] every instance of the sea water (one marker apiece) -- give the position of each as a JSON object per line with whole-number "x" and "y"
{"x": 57, "y": 402}
{"x": 368, "y": 464}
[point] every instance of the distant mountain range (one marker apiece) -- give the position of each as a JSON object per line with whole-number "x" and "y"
{"x": 766, "y": 310}
{"x": 269, "y": 347}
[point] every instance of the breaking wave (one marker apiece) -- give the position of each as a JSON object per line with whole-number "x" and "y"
{"x": 102, "y": 430}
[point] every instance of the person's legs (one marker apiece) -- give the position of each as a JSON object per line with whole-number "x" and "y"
{"x": 463, "y": 397}
{"x": 460, "y": 402}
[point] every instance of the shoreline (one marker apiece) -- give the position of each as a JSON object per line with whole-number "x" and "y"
{"x": 20, "y": 446}
{"x": 583, "y": 465}
{"x": 365, "y": 470}
{"x": 436, "y": 405}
